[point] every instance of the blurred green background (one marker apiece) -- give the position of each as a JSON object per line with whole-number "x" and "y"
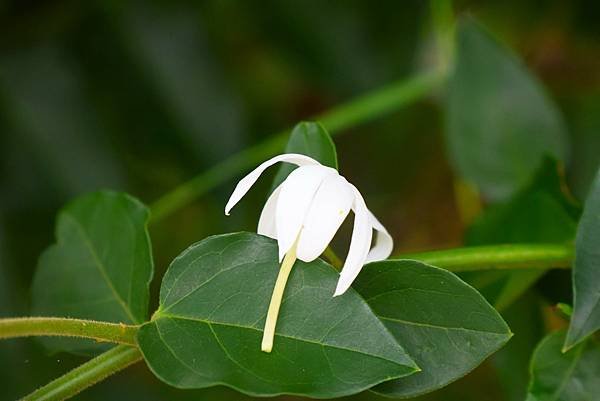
{"x": 141, "y": 96}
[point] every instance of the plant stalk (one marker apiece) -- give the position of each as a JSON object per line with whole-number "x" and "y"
{"x": 491, "y": 257}
{"x": 53, "y": 326}
{"x": 86, "y": 375}
{"x": 365, "y": 108}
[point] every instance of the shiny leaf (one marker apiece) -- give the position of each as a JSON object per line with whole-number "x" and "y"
{"x": 445, "y": 325}
{"x": 209, "y": 325}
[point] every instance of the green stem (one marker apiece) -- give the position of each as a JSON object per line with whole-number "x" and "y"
{"x": 86, "y": 375}
{"x": 52, "y": 326}
{"x": 365, "y": 108}
{"x": 333, "y": 258}
{"x": 514, "y": 256}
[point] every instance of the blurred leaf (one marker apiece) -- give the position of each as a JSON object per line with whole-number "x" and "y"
{"x": 173, "y": 52}
{"x": 500, "y": 123}
{"x": 586, "y": 270}
{"x": 540, "y": 212}
{"x": 100, "y": 267}
{"x": 586, "y": 145}
{"x": 208, "y": 328}
{"x": 512, "y": 362}
{"x": 310, "y": 139}
{"x": 570, "y": 376}
{"x": 53, "y": 121}
{"x": 446, "y": 326}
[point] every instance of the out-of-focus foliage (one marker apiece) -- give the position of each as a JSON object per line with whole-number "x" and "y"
{"x": 586, "y": 308}
{"x": 540, "y": 212}
{"x": 100, "y": 266}
{"x": 570, "y": 376}
{"x": 139, "y": 97}
{"x": 500, "y": 123}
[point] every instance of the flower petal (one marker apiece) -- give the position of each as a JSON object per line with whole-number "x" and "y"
{"x": 328, "y": 210}
{"x": 359, "y": 245}
{"x": 266, "y": 223}
{"x": 297, "y": 193}
{"x": 384, "y": 244}
{"x": 246, "y": 183}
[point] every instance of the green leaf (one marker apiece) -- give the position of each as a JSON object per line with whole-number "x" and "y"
{"x": 586, "y": 271}
{"x": 213, "y": 302}
{"x": 100, "y": 267}
{"x": 310, "y": 139}
{"x": 500, "y": 122}
{"x": 446, "y": 326}
{"x": 540, "y": 212}
{"x": 570, "y": 376}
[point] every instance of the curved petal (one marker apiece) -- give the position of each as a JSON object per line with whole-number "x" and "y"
{"x": 297, "y": 193}
{"x": 328, "y": 210}
{"x": 384, "y": 244}
{"x": 359, "y": 245}
{"x": 246, "y": 183}
{"x": 266, "y": 223}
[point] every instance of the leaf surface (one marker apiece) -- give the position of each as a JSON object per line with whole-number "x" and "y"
{"x": 500, "y": 122}
{"x": 586, "y": 271}
{"x": 445, "y": 325}
{"x": 570, "y": 376}
{"x": 100, "y": 267}
{"x": 213, "y": 303}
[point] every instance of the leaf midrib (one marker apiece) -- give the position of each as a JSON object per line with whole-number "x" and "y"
{"x": 98, "y": 263}
{"x": 568, "y": 374}
{"x": 227, "y": 324}
{"x": 434, "y": 326}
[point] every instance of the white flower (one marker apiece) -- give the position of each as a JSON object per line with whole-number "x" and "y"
{"x": 306, "y": 210}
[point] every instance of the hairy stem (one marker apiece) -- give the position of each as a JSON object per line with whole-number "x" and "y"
{"x": 86, "y": 375}
{"x": 365, "y": 108}
{"x": 53, "y": 326}
{"x": 489, "y": 257}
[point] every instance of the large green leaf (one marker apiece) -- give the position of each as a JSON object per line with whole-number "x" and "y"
{"x": 101, "y": 265}
{"x": 310, "y": 139}
{"x": 540, "y": 212}
{"x": 213, "y": 303}
{"x": 446, "y": 326}
{"x": 586, "y": 270}
{"x": 570, "y": 376}
{"x": 500, "y": 123}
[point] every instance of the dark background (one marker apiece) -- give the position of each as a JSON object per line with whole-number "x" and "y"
{"x": 141, "y": 96}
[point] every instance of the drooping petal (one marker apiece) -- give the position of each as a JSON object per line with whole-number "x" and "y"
{"x": 384, "y": 244}
{"x": 246, "y": 183}
{"x": 359, "y": 245}
{"x": 295, "y": 198}
{"x": 328, "y": 210}
{"x": 266, "y": 223}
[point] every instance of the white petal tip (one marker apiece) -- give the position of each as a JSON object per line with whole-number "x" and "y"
{"x": 339, "y": 291}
